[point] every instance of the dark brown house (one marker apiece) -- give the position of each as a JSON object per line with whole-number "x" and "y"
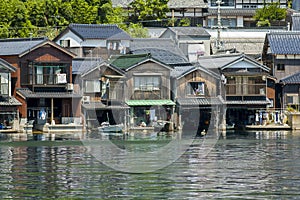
{"x": 42, "y": 81}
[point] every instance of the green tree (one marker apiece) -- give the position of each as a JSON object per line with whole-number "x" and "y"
{"x": 137, "y": 31}
{"x": 148, "y": 10}
{"x": 271, "y": 12}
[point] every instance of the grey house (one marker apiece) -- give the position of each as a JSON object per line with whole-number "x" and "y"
{"x": 94, "y": 40}
{"x": 194, "y": 42}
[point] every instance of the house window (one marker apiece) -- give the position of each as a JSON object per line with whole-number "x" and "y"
{"x": 64, "y": 43}
{"x": 92, "y": 86}
{"x": 224, "y": 3}
{"x": 146, "y": 83}
{"x": 4, "y": 83}
{"x": 50, "y": 74}
{"x": 196, "y": 88}
{"x": 292, "y": 99}
{"x": 280, "y": 67}
{"x": 113, "y": 45}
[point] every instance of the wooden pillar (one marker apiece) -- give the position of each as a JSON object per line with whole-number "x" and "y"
{"x": 52, "y": 110}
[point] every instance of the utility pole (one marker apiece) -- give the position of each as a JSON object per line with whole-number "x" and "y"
{"x": 219, "y": 25}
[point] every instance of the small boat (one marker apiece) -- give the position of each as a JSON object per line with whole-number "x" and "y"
{"x": 108, "y": 128}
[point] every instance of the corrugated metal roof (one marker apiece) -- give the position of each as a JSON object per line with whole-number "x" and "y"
{"x": 27, "y": 93}
{"x": 205, "y": 101}
{"x": 287, "y": 42}
{"x": 250, "y": 102}
{"x": 19, "y": 46}
{"x": 159, "y": 102}
{"x": 127, "y": 61}
{"x": 293, "y": 79}
{"x": 99, "y": 31}
{"x": 10, "y": 101}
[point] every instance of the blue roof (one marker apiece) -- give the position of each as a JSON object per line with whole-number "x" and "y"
{"x": 99, "y": 31}
{"x": 19, "y": 46}
{"x": 293, "y": 79}
{"x": 287, "y": 42}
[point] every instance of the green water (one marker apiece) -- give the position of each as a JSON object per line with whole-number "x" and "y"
{"x": 244, "y": 165}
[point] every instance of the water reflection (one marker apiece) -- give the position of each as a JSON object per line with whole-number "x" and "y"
{"x": 245, "y": 165}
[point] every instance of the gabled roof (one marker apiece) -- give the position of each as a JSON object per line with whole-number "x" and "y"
{"x": 81, "y": 65}
{"x": 189, "y": 31}
{"x": 96, "y": 31}
{"x": 4, "y": 64}
{"x": 216, "y": 62}
{"x": 22, "y": 46}
{"x": 293, "y": 79}
{"x": 226, "y": 61}
{"x": 252, "y": 63}
{"x": 176, "y": 4}
{"x": 181, "y": 71}
{"x": 161, "y": 49}
{"x": 127, "y": 62}
{"x": 287, "y": 42}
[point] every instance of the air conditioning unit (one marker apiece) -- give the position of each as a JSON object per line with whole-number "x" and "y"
{"x": 86, "y": 99}
{"x": 61, "y": 78}
{"x": 70, "y": 87}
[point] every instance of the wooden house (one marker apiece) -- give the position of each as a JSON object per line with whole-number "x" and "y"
{"x": 102, "y": 88}
{"x": 94, "y": 40}
{"x": 9, "y": 113}
{"x": 147, "y": 88}
{"x": 42, "y": 81}
{"x": 290, "y": 92}
{"x": 197, "y": 92}
{"x": 245, "y": 85}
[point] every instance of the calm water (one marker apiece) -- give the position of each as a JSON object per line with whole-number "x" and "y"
{"x": 252, "y": 165}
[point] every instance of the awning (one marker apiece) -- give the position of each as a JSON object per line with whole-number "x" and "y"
{"x": 196, "y": 102}
{"x": 26, "y": 94}
{"x": 159, "y": 102}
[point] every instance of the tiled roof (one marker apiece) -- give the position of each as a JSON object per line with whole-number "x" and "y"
{"x": 190, "y": 31}
{"x": 99, "y": 31}
{"x": 296, "y": 22}
{"x": 293, "y": 79}
{"x": 82, "y": 65}
{"x": 10, "y": 101}
{"x": 216, "y": 62}
{"x": 186, "y": 4}
{"x": 231, "y": 12}
{"x": 205, "y": 101}
{"x": 19, "y": 46}
{"x": 161, "y": 49}
{"x": 181, "y": 70}
{"x": 287, "y": 42}
{"x": 58, "y": 95}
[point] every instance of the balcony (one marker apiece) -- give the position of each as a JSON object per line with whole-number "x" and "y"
{"x": 50, "y": 79}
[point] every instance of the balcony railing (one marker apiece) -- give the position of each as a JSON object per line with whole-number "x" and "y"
{"x": 50, "y": 79}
